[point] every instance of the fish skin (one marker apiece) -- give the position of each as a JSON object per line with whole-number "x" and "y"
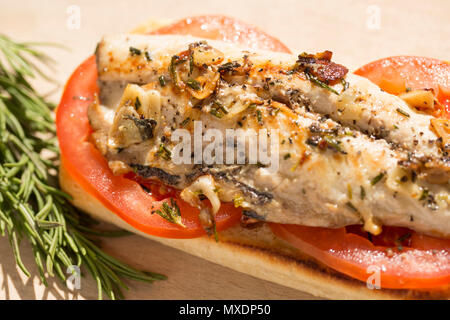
{"x": 316, "y": 192}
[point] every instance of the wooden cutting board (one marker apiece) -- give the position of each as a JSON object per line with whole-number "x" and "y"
{"x": 356, "y": 31}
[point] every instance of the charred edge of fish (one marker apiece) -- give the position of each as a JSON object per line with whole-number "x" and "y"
{"x": 152, "y": 172}
{"x": 259, "y": 197}
{"x": 250, "y": 223}
{"x": 253, "y": 214}
{"x": 219, "y": 171}
{"x": 145, "y": 126}
{"x": 227, "y": 174}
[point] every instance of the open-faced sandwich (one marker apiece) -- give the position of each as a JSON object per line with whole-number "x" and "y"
{"x": 209, "y": 136}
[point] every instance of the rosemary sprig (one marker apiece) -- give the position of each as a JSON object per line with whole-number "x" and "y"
{"x": 32, "y": 206}
{"x": 171, "y": 212}
{"x": 322, "y": 84}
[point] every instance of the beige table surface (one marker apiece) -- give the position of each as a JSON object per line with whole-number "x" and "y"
{"x": 356, "y": 31}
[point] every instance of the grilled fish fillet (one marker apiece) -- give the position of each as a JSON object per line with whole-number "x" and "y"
{"x": 346, "y": 152}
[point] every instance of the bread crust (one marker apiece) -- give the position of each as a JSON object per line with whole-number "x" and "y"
{"x": 256, "y": 252}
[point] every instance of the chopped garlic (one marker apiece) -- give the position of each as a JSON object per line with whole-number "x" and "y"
{"x": 419, "y": 99}
{"x": 206, "y": 185}
{"x": 372, "y": 226}
{"x": 442, "y": 129}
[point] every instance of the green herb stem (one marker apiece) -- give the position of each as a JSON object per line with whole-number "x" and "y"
{"x": 32, "y": 207}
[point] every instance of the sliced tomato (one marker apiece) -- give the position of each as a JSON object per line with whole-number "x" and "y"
{"x": 89, "y": 168}
{"x": 227, "y": 29}
{"x": 396, "y": 74}
{"x": 422, "y": 263}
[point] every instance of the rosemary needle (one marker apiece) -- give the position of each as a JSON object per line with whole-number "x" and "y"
{"x": 32, "y": 207}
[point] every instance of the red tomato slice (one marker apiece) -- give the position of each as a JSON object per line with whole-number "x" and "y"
{"x": 396, "y": 74}
{"x": 121, "y": 195}
{"x": 423, "y": 264}
{"x": 225, "y": 29}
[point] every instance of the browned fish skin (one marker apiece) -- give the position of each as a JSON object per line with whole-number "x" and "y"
{"x": 346, "y": 154}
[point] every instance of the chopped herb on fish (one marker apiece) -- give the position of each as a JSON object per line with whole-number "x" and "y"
{"x": 137, "y": 103}
{"x": 229, "y": 66}
{"x": 216, "y": 234}
{"x": 259, "y": 116}
{"x": 403, "y": 113}
{"x": 424, "y": 195}
{"x": 334, "y": 144}
{"x": 322, "y": 84}
{"x": 218, "y": 110}
{"x": 216, "y": 113}
{"x": 162, "y": 81}
{"x": 221, "y": 107}
{"x": 135, "y": 52}
{"x": 174, "y": 61}
{"x": 164, "y": 153}
{"x": 185, "y": 121}
{"x": 362, "y": 192}
{"x": 351, "y": 206}
{"x": 147, "y": 56}
{"x": 194, "y": 84}
{"x": 345, "y": 85}
{"x": 377, "y": 179}
{"x": 191, "y": 62}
